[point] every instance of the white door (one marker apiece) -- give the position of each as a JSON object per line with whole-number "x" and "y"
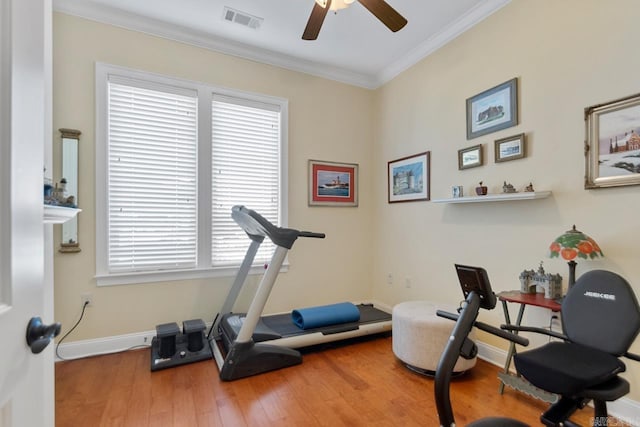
{"x": 26, "y": 379}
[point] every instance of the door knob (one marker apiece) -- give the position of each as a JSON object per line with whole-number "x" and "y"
{"x": 39, "y": 335}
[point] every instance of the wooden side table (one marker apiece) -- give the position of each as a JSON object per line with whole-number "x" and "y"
{"x": 516, "y": 381}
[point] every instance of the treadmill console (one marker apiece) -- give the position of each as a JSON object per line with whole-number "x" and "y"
{"x": 475, "y": 279}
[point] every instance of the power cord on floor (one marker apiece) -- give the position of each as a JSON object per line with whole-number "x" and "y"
{"x": 84, "y": 306}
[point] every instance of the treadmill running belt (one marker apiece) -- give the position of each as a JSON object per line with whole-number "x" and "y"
{"x": 285, "y": 326}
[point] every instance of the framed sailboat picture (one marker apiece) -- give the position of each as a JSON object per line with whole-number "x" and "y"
{"x": 333, "y": 184}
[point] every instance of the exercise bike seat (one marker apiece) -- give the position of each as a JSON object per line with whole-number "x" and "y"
{"x": 497, "y": 422}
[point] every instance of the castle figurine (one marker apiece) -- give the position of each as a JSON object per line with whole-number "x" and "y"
{"x": 532, "y": 282}
{"x": 508, "y": 188}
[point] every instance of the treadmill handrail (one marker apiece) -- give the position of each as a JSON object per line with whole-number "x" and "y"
{"x": 257, "y": 227}
{"x": 311, "y": 234}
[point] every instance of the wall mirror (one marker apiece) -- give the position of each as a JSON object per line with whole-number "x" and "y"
{"x": 68, "y": 187}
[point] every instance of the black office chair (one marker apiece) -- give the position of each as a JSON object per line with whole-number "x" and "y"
{"x": 600, "y": 321}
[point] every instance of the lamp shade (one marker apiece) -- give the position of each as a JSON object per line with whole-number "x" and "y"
{"x": 571, "y": 245}
{"x": 575, "y": 244}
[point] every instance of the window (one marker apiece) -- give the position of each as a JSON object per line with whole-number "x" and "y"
{"x": 172, "y": 158}
{"x": 246, "y": 137}
{"x": 151, "y": 171}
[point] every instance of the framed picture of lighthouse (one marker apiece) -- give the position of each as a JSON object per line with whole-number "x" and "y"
{"x": 612, "y": 144}
{"x": 408, "y": 178}
{"x": 333, "y": 184}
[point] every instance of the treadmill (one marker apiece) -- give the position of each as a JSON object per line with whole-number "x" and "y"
{"x": 250, "y": 344}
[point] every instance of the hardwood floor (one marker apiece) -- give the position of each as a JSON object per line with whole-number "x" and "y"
{"x": 360, "y": 384}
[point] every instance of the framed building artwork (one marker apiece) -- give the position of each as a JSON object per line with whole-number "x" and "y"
{"x": 493, "y": 110}
{"x": 612, "y": 144}
{"x": 408, "y": 178}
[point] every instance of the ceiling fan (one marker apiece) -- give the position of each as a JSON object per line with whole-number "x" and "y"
{"x": 380, "y": 8}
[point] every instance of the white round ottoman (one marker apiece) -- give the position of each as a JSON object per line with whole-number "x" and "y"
{"x": 419, "y": 336}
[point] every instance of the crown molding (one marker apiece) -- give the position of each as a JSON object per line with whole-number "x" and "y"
{"x": 473, "y": 17}
{"x": 116, "y": 17}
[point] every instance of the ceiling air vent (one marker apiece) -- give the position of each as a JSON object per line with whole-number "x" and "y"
{"x": 242, "y": 18}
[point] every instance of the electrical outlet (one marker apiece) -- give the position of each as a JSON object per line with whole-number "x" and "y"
{"x": 407, "y": 282}
{"x": 86, "y": 298}
{"x": 389, "y": 279}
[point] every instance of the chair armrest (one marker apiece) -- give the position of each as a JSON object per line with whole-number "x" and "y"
{"x": 632, "y": 356}
{"x": 536, "y": 330}
{"x": 488, "y": 328}
{"x": 500, "y": 333}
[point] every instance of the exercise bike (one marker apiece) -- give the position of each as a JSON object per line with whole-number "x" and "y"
{"x": 601, "y": 320}
{"x": 478, "y": 294}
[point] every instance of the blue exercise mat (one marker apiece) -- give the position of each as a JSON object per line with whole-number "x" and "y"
{"x": 324, "y": 315}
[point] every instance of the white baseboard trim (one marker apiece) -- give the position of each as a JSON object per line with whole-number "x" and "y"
{"x": 99, "y": 346}
{"x": 494, "y": 355}
{"x": 114, "y": 344}
{"x": 623, "y": 409}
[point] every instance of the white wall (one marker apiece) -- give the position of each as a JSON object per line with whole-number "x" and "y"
{"x": 321, "y": 271}
{"x": 567, "y": 55}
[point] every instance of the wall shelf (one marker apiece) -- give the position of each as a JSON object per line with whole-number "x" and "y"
{"x": 501, "y": 197}
{"x": 58, "y": 214}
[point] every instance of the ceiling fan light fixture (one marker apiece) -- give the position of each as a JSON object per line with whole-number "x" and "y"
{"x": 379, "y": 8}
{"x": 335, "y": 4}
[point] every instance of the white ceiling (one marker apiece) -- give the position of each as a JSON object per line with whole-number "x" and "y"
{"x": 353, "y": 46}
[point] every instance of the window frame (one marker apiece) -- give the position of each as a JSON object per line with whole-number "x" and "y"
{"x": 205, "y": 93}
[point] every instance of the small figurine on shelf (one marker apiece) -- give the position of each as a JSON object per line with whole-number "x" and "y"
{"x": 532, "y": 282}
{"x": 59, "y": 196}
{"x": 60, "y": 193}
{"x": 54, "y": 196}
{"x": 48, "y": 188}
{"x": 529, "y": 188}
{"x": 508, "y": 188}
{"x": 481, "y": 190}
{"x": 70, "y": 202}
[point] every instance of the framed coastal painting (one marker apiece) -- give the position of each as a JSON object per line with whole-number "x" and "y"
{"x": 612, "y": 145}
{"x": 493, "y": 110}
{"x": 509, "y": 148}
{"x": 333, "y": 184}
{"x": 470, "y": 157}
{"x": 408, "y": 178}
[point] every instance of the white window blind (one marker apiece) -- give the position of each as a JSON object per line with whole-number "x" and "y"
{"x": 173, "y": 157}
{"x": 246, "y": 140}
{"x": 151, "y": 173}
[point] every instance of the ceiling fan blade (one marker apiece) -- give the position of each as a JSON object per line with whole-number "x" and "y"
{"x": 316, "y": 19}
{"x": 385, "y": 13}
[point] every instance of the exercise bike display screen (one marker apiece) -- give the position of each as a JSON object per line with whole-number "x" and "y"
{"x": 475, "y": 279}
